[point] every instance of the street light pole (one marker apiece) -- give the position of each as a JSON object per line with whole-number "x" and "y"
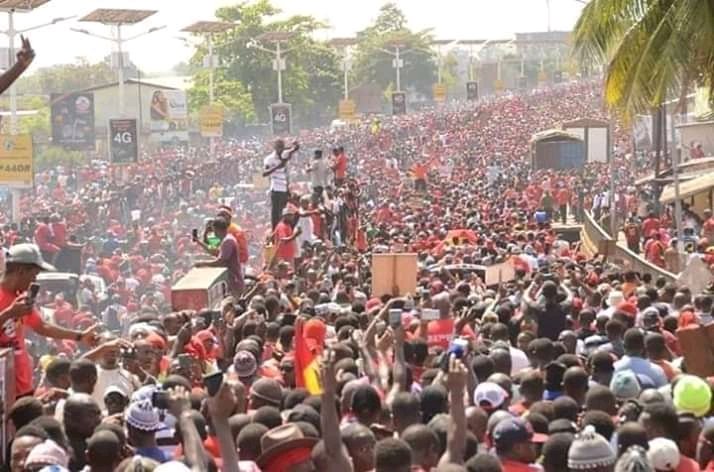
{"x": 120, "y": 70}
{"x": 279, "y": 61}
{"x": 398, "y": 66}
{"x": 119, "y": 40}
{"x": 211, "y": 93}
{"x": 346, "y": 70}
{"x": 11, "y": 33}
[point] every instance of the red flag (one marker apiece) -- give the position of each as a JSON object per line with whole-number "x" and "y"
{"x": 307, "y": 364}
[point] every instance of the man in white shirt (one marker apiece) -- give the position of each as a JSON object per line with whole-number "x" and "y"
{"x": 109, "y": 371}
{"x": 275, "y": 167}
{"x": 318, "y": 171}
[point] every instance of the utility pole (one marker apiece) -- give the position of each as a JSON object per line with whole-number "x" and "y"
{"x": 11, "y": 34}
{"x": 279, "y": 65}
{"x": 118, "y": 19}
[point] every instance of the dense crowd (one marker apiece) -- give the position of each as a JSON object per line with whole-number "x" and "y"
{"x": 565, "y": 362}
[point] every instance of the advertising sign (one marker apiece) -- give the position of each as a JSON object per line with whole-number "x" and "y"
{"x": 16, "y": 161}
{"x": 210, "y": 120}
{"x": 123, "y": 141}
{"x": 399, "y": 103}
{"x": 169, "y": 116}
{"x": 281, "y": 118}
{"x": 439, "y": 91}
{"x": 472, "y": 91}
{"x": 347, "y": 110}
{"x": 72, "y": 118}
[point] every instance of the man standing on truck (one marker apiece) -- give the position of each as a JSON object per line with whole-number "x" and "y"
{"x": 23, "y": 262}
{"x": 228, "y": 256}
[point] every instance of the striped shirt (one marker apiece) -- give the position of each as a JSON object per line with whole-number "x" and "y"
{"x": 279, "y": 178}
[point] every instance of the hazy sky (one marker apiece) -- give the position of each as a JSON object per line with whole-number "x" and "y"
{"x": 450, "y": 19}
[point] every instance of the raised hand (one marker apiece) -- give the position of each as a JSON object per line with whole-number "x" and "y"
{"x": 89, "y": 336}
{"x": 179, "y": 400}
{"x": 327, "y": 375}
{"x": 456, "y": 380}
{"x": 224, "y": 403}
{"x": 26, "y": 54}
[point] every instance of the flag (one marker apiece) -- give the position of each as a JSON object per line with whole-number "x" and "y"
{"x": 307, "y": 364}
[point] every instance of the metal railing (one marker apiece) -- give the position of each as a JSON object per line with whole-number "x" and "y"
{"x": 595, "y": 237}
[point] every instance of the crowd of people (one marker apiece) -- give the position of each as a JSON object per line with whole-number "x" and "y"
{"x": 566, "y": 362}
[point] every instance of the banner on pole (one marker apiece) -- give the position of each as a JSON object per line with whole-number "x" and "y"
{"x": 72, "y": 116}
{"x": 472, "y": 91}
{"x": 439, "y": 92}
{"x": 16, "y": 161}
{"x": 399, "y": 103}
{"x": 347, "y": 110}
{"x": 123, "y": 141}
{"x": 210, "y": 119}
{"x": 281, "y": 118}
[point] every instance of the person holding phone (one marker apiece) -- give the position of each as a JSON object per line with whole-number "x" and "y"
{"x": 228, "y": 256}
{"x": 23, "y": 263}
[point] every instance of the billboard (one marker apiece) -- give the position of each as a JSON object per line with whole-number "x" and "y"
{"x": 169, "y": 116}
{"x": 123, "y": 141}
{"x": 72, "y": 116}
{"x": 281, "y": 118}
{"x": 210, "y": 120}
{"x": 16, "y": 161}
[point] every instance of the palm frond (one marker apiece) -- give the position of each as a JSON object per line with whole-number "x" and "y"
{"x": 600, "y": 26}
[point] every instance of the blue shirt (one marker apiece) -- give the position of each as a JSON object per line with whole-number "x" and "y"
{"x": 152, "y": 453}
{"x": 641, "y": 366}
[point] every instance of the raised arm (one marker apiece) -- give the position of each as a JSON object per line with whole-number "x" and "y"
{"x": 25, "y": 56}
{"x": 180, "y": 407}
{"x": 399, "y": 368}
{"x": 337, "y": 458}
{"x": 221, "y": 408}
{"x": 456, "y": 433}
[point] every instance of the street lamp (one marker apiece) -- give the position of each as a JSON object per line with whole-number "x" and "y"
{"x": 277, "y": 37}
{"x": 11, "y": 7}
{"x": 439, "y": 43}
{"x": 207, "y": 29}
{"x": 397, "y": 62}
{"x": 11, "y": 34}
{"x": 118, "y": 18}
{"x": 342, "y": 44}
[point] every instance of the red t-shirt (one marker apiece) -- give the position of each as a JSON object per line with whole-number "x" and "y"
{"x": 649, "y": 226}
{"x": 341, "y": 166}
{"x": 12, "y": 335}
{"x": 440, "y": 332}
{"x": 286, "y": 250}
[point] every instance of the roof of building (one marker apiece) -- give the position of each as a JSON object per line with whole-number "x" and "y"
{"x": 165, "y": 83}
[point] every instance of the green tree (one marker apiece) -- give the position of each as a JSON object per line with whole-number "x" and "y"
{"x": 374, "y": 65}
{"x": 51, "y": 156}
{"x": 69, "y": 77}
{"x": 230, "y": 93}
{"x": 37, "y": 125}
{"x": 311, "y": 82}
{"x": 652, "y": 49}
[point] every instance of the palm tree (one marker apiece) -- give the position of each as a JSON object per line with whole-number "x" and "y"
{"x": 652, "y": 49}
